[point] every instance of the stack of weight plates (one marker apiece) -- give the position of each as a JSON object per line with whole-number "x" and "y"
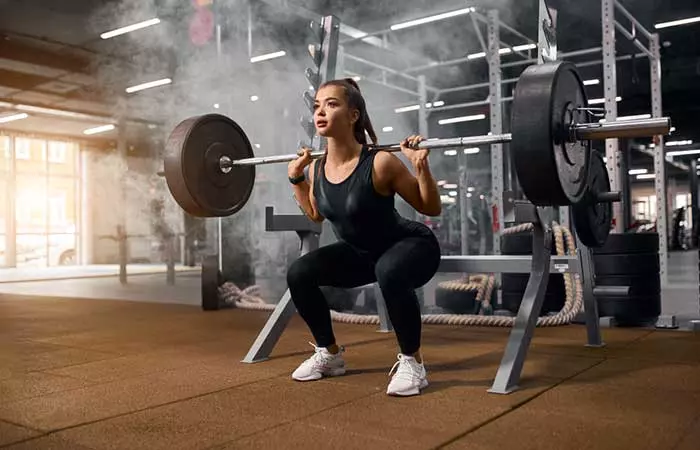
{"x": 629, "y": 259}
{"x": 513, "y": 284}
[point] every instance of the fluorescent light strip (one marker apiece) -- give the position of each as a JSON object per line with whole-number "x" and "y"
{"x": 598, "y": 101}
{"x": 678, "y": 143}
{"x": 477, "y": 55}
{"x": 520, "y": 48}
{"x": 623, "y": 118}
{"x": 674, "y": 23}
{"x": 450, "y": 152}
{"x": 149, "y": 85}
{"x": 387, "y": 129}
{"x": 591, "y": 82}
{"x": 683, "y": 153}
{"x": 452, "y": 193}
{"x": 407, "y": 109}
{"x": 637, "y": 171}
{"x": 130, "y": 28}
{"x": 471, "y": 151}
{"x": 462, "y": 119}
{"x": 450, "y": 186}
{"x": 254, "y": 98}
{"x": 267, "y": 56}
{"x": 435, "y": 18}
{"x": 100, "y": 129}
{"x": 646, "y": 176}
{"x": 13, "y": 117}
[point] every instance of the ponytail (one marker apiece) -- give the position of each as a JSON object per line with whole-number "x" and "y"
{"x": 356, "y": 101}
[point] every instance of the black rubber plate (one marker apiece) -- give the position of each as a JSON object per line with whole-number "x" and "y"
{"x": 593, "y": 219}
{"x": 546, "y": 100}
{"x": 192, "y": 171}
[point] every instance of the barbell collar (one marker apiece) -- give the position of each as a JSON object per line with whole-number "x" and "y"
{"x": 622, "y": 129}
{"x": 609, "y": 197}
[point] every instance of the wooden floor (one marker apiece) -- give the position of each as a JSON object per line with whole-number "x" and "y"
{"x": 94, "y": 374}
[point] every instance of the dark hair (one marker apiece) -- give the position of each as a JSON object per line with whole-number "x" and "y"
{"x": 356, "y": 101}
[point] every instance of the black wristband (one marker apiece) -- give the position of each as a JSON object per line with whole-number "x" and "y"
{"x": 297, "y": 180}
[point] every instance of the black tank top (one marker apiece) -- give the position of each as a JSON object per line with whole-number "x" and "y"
{"x": 359, "y": 214}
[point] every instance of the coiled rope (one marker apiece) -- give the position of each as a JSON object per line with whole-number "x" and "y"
{"x": 249, "y": 298}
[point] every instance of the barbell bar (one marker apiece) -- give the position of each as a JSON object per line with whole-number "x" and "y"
{"x": 582, "y": 131}
{"x": 210, "y": 163}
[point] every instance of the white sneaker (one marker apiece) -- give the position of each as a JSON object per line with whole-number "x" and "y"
{"x": 321, "y": 363}
{"x": 409, "y": 379}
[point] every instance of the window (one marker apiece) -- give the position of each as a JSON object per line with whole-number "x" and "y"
{"x": 23, "y": 149}
{"x": 57, "y": 152}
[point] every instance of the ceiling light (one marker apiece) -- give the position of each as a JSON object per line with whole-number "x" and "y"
{"x": 257, "y": 145}
{"x": 678, "y": 143}
{"x": 646, "y": 176}
{"x": 598, "y": 101}
{"x": 438, "y": 103}
{"x": 267, "y": 56}
{"x": 477, "y": 55}
{"x": 462, "y": 119}
{"x": 130, "y": 28}
{"x": 254, "y": 98}
{"x": 149, "y": 85}
{"x": 520, "y": 48}
{"x": 637, "y": 171}
{"x": 623, "y": 118}
{"x": 435, "y": 18}
{"x": 450, "y": 186}
{"x": 682, "y": 153}
{"x": 13, "y": 117}
{"x": 407, "y": 108}
{"x": 674, "y": 23}
{"x": 452, "y": 193}
{"x": 387, "y": 129}
{"x": 100, "y": 129}
{"x": 441, "y": 182}
{"x": 672, "y": 129}
{"x": 504, "y": 51}
{"x": 216, "y": 106}
{"x": 450, "y": 152}
{"x": 471, "y": 151}
{"x": 469, "y": 195}
{"x": 591, "y": 82}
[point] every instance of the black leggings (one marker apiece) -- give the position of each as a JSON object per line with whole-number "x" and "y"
{"x": 404, "y": 267}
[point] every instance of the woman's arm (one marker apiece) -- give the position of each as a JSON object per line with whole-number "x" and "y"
{"x": 304, "y": 194}
{"x": 419, "y": 191}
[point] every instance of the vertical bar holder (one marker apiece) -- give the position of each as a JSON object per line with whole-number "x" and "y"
{"x": 610, "y": 88}
{"x": 659, "y": 162}
{"x": 309, "y": 234}
{"x": 511, "y": 367}
{"x": 496, "y": 108}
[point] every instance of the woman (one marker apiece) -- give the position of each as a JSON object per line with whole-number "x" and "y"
{"x": 354, "y": 188}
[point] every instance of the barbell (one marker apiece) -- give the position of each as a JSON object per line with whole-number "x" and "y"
{"x": 210, "y": 165}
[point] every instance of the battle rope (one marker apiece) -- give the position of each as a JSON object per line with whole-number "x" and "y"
{"x": 249, "y": 298}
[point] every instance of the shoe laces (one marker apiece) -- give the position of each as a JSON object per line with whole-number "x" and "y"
{"x": 320, "y": 357}
{"x": 407, "y": 368}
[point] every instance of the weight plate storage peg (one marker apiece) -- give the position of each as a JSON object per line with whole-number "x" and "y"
{"x": 552, "y": 168}
{"x": 193, "y": 171}
{"x": 592, "y": 217}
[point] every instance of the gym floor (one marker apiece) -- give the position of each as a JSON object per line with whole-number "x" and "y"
{"x": 76, "y": 373}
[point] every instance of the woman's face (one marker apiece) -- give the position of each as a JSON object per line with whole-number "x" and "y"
{"x": 332, "y": 116}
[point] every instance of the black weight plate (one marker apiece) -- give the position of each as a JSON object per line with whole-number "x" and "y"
{"x": 192, "y": 171}
{"x": 455, "y": 301}
{"x": 517, "y": 282}
{"x": 211, "y": 280}
{"x": 552, "y": 303}
{"x": 631, "y": 310}
{"x": 629, "y": 243}
{"x": 639, "y": 284}
{"x": 593, "y": 219}
{"x": 629, "y": 264}
{"x": 551, "y": 170}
